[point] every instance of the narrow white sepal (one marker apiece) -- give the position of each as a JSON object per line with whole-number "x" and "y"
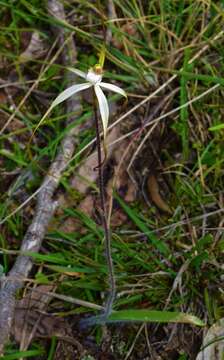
{"x": 103, "y": 106}
{"x": 77, "y": 72}
{"x": 72, "y": 90}
{"x": 113, "y": 88}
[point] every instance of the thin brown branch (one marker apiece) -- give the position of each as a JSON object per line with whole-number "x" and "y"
{"x": 46, "y": 205}
{"x": 111, "y": 16}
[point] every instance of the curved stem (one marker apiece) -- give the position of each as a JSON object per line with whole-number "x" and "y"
{"x": 107, "y": 233}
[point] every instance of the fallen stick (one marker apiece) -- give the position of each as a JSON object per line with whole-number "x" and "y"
{"x": 46, "y": 205}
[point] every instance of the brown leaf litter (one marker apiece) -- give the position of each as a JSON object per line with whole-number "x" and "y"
{"x": 31, "y": 321}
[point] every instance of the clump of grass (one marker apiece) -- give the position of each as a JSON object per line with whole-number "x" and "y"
{"x": 154, "y": 41}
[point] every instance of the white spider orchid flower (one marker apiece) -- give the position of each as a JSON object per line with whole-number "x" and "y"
{"x": 93, "y": 79}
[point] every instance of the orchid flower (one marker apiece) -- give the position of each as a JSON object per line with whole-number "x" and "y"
{"x": 93, "y": 79}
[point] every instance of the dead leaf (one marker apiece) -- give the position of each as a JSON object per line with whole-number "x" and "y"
{"x": 34, "y": 50}
{"x": 36, "y": 298}
{"x": 3, "y": 97}
{"x": 118, "y": 218}
{"x": 86, "y": 173}
{"x": 36, "y": 325}
{"x": 87, "y": 205}
{"x": 128, "y": 28}
{"x": 123, "y": 184}
{"x": 213, "y": 343}
{"x": 153, "y": 189}
{"x": 73, "y": 274}
{"x": 31, "y": 319}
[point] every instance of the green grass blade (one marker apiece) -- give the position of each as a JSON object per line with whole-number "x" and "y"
{"x": 154, "y": 316}
{"x": 184, "y": 110}
{"x": 161, "y": 246}
{"x": 201, "y": 77}
{"x": 72, "y": 269}
{"x": 216, "y": 127}
{"x": 51, "y": 258}
{"x": 23, "y": 354}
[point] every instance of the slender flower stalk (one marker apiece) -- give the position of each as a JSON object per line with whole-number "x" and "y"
{"x": 94, "y": 80}
{"x": 107, "y": 233}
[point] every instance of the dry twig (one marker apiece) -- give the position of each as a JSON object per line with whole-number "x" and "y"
{"x": 46, "y": 205}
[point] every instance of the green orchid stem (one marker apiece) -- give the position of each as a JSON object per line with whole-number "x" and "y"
{"x": 107, "y": 233}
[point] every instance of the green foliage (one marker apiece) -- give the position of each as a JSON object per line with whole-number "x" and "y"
{"x": 150, "y": 248}
{"x": 154, "y": 316}
{"x": 13, "y": 355}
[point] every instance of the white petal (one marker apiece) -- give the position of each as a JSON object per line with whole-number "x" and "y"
{"x": 72, "y": 90}
{"x": 77, "y": 72}
{"x": 113, "y": 88}
{"x": 103, "y": 106}
{"x": 62, "y": 97}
